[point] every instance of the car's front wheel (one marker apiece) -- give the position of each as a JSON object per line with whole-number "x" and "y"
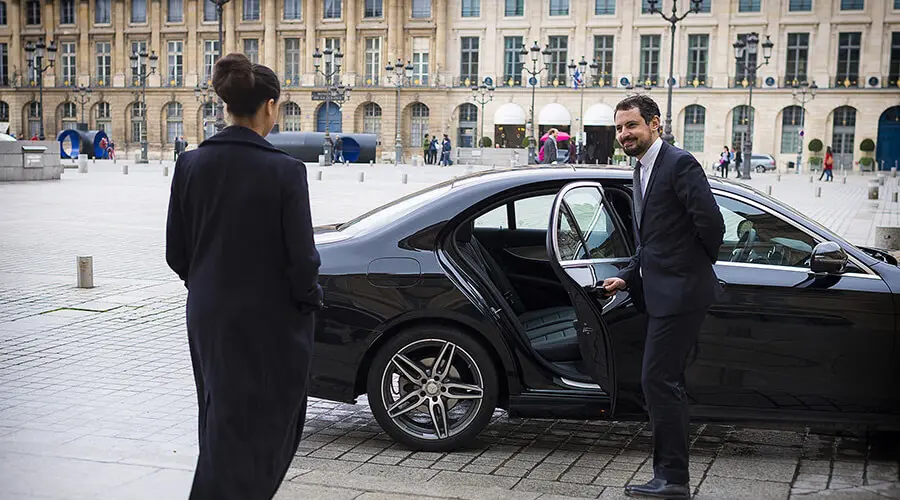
{"x": 432, "y": 388}
{"x": 760, "y": 169}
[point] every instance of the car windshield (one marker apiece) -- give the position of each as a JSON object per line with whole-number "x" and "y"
{"x": 395, "y": 210}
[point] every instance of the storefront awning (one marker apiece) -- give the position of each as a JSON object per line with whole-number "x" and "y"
{"x": 599, "y": 115}
{"x": 554, "y": 114}
{"x": 509, "y": 114}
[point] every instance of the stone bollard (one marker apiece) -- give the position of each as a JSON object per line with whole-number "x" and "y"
{"x": 84, "y": 266}
{"x": 166, "y": 171}
{"x": 894, "y": 197}
{"x": 319, "y": 175}
{"x": 887, "y": 237}
{"x": 769, "y": 190}
{"x": 404, "y": 178}
{"x": 371, "y": 163}
{"x": 362, "y": 177}
{"x": 845, "y": 179}
{"x": 810, "y": 179}
{"x": 125, "y": 169}
{"x": 778, "y": 178}
{"x": 819, "y": 192}
{"x": 880, "y": 179}
{"x": 873, "y": 189}
{"x": 893, "y": 171}
{"x": 82, "y": 164}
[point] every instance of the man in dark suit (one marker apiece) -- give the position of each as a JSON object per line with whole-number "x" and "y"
{"x": 550, "y": 147}
{"x": 678, "y": 230}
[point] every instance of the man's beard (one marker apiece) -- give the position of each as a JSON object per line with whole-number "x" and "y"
{"x": 638, "y": 149}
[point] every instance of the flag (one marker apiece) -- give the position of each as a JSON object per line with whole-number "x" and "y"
{"x": 577, "y": 79}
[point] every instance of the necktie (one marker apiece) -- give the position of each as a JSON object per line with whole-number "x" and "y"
{"x": 638, "y": 195}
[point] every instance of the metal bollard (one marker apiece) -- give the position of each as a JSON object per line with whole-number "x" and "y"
{"x": 894, "y": 197}
{"x": 125, "y": 169}
{"x": 404, "y": 178}
{"x": 810, "y": 179}
{"x": 845, "y": 179}
{"x": 371, "y": 162}
{"x": 778, "y": 178}
{"x": 769, "y": 190}
{"x": 319, "y": 175}
{"x": 165, "y": 171}
{"x": 819, "y": 192}
{"x": 85, "y": 268}
{"x": 362, "y": 176}
{"x": 873, "y": 190}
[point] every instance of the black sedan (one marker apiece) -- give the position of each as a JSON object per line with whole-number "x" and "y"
{"x": 480, "y": 292}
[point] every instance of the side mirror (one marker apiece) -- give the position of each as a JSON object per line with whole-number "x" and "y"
{"x": 828, "y": 257}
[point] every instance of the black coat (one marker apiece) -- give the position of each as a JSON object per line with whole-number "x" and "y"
{"x": 678, "y": 237}
{"x": 239, "y": 234}
{"x": 550, "y": 150}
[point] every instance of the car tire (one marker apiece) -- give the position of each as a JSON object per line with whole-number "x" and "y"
{"x": 420, "y": 424}
{"x": 760, "y": 169}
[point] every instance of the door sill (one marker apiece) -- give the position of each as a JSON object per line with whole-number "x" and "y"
{"x": 560, "y": 403}
{"x": 581, "y": 385}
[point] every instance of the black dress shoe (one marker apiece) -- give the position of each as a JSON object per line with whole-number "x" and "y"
{"x": 658, "y": 488}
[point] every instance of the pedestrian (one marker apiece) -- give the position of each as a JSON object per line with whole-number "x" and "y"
{"x": 433, "y": 150}
{"x": 446, "y": 146}
{"x": 571, "y": 158}
{"x": 338, "y": 150}
{"x": 239, "y": 233}
{"x": 103, "y": 147}
{"x": 550, "y": 147}
{"x": 678, "y": 232}
{"x": 177, "y": 149}
{"x": 426, "y": 145}
{"x": 724, "y": 160}
{"x": 828, "y": 166}
{"x": 738, "y": 161}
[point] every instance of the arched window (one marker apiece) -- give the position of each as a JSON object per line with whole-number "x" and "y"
{"x": 4, "y": 111}
{"x": 694, "y": 128}
{"x": 3, "y": 13}
{"x": 291, "y": 117}
{"x": 372, "y": 120}
{"x": 209, "y": 120}
{"x": 419, "y": 125}
{"x": 791, "y": 122}
{"x": 741, "y": 117}
{"x": 34, "y": 119}
{"x": 843, "y": 135}
{"x": 468, "y": 123}
{"x": 138, "y": 124}
{"x": 69, "y": 115}
{"x": 174, "y": 122}
{"x": 103, "y": 117}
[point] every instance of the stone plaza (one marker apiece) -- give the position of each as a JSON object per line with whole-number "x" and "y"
{"x": 97, "y": 397}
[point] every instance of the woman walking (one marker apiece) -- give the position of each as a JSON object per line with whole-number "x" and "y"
{"x": 239, "y": 233}
{"x": 828, "y": 166}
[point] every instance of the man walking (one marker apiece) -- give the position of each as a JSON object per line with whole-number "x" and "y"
{"x": 550, "y": 147}
{"x": 679, "y": 230}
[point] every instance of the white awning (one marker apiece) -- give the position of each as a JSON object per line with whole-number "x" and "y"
{"x": 599, "y": 115}
{"x": 509, "y": 114}
{"x": 554, "y": 114}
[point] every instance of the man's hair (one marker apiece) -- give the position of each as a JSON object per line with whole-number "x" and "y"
{"x": 644, "y": 104}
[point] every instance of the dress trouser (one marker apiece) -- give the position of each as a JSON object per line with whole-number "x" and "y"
{"x": 669, "y": 341}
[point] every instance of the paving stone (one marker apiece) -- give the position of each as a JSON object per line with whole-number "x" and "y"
{"x": 291, "y": 491}
{"x": 557, "y": 488}
{"x": 481, "y": 480}
{"x": 714, "y": 488}
{"x": 396, "y": 472}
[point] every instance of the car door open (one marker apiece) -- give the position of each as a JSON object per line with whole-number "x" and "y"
{"x": 577, "y": 243}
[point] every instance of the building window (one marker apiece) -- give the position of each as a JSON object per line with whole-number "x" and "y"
{"x": 604, "y": 7}
{"x": 514, "y": 8}
{"x": 176, "y": 63}
{"x": 332, "y": 9}
{"x": 419, "y": 124}
{"x": 291, "y": 117}
{"x": 420, "y": 61}
{"x": 174, "y": 122}
{"x": 742, "y": 66}
{"x": 848, "y": 59}
{"x": 749, "y": 5}
{"x": 698, "y": 59}
{"x": 210, "y": 11}
{"x": 740, "y": 126}
{"x": 372, "y": 120}
{"x": 251, "y": 49}
{"x": 374, "y": 9}
{"x": 67, "y": 12}
{"x": 468, "y": 122}
{"x": 559, "y": 7}
{"x": 67, "y": 63}
{"x": 853, "y": 4}
{"x": 645, "y": 6}
{"x": 251, "y": 10}
{"x": 471, "y": 8}
{"x": 468, "y": 71}
{"x": 4, "y": 66}
{"x": 33, "y": 12}
{"x": 210, "y": 54}
{"x": 139, "y": 11}
{"x": 103, "y": 12}
{"x": 138, "y": 131}
{"x": 512, "y": 68}
{"x": 843, "y": 134}
{"x": 34, "y": 119}
{"x": 791, "y": 120}
{"x": 897, "y": 4}
{"x": 138, "y": 47}
{"x": 559, "y": 53}
{"x": 373, "y": 60}
{"x": 104, "y": 63}
{"x": 335, "y": 45}
{"x": 705, "y": 6}
{"x": 800, "y": 5}
{"x": 68, "y": 116}
{"x": 603, "y": 55}
{"x": 209, "y": 120}
{"x": 650, "y": 59}
{"x": 894, "y": 68}
{"x": 175, "y": 11}
{"x": 293, "y": 9}
{"x": 103, "y": 117}
{"x": 797, "y": 58}
{"x": 421, "y": 9}
{"x": 694, "y": 128}
{"x": 2, "y": 13}
{"x": 4, "y": 112}
{"x": 292, "y": 62}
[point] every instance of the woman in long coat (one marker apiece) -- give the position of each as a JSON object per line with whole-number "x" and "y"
{"x": 239, "y": 233}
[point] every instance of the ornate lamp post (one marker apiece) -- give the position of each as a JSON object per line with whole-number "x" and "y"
{"x": 743, "y": 50}
{"x": 139, "y": 69}
{"x": 206, "y": 96}
{"x": 35, "y": 55}
{"x": 334, "y": 91}
{"x": 674, "y": 19}
{"x": 803, "y": 92}
{"x": 632, "y": 89}
{"x": 535, "y": 52}
{"x": 582, "y": 75}
{"x": 220, "y": 105}
{"x": 482, "y": 94}
{"x": 84, "y": 95}
{"x": 398, "y": 74}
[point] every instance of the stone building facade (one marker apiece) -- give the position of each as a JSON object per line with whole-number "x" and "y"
{"x": 850, "y": 48}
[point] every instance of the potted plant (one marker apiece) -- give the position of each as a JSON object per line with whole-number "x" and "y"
{"x": 815, "y": 159}
{"x": 486, "y": 142}
{"x": 867, "y": 146}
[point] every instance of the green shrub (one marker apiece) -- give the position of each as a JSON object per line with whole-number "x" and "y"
{"x": 816, "y": 146}
{"x": 486, "y": 142}
{"x": 866, "y": 161}
{"x": 815, "y": 161}
{"x": 867, "y": 145}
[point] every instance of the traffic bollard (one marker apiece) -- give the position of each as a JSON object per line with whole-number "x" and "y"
{"x": 319, "y": 175}
{"x": 165, "y": 171}
{"x": 125, "y": 169}
{"x": 819, "y": 192}
{"x": 362, "y": 176}
{"x": 769, "y": 190}
{"x": 85, "y": 269}
{"x": 404, "y": 178}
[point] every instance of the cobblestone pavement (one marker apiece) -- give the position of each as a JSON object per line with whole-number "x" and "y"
{"x": 97, "y": 399}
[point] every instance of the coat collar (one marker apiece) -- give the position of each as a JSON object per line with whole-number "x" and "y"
{"x": 237, "y": 133}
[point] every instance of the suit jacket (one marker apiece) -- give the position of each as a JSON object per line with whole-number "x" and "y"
{"x": 550, "y": 150}
{"x": 678, "y": 238}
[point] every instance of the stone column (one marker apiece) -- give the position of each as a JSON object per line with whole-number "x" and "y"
{"x": 310, "y": 45}
{"x": 83, "y": 57}
{"x": 120, "y": 51}
{"x": 440, "y": 42}
{"x": 269, "y": 36}
{"x": 192, "y": 47}
{"x": 393, "y": 26}
{"x": 823, "y": 44}
{"x": 229, "y": 25}
{"x": 17, "y": 60}
{"x": 350, "y": 53}
{"x": 157, "y": 45}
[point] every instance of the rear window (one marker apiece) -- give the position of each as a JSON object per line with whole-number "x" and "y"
{"x": 395, "y": 210}
{"x": 761, "y": 157}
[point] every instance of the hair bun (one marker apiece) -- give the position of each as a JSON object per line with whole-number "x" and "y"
{"x": 233, "y": 77}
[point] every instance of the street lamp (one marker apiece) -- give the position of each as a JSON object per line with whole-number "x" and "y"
{"x": 632, "y": 89}
{"x": 334, "y": 91}
{"x": 582, "y": 75}
{"x": 673, "y": 20}
{"x": 536, "y": 54}
{"x": 139, "y": 69}
{"x": 35, "y": 55}
{"x": 803, "y": 92}
{"x": 206, "y": 96}
{"x": 84, "y": 95}
{"x": 220, "y": 106}
{"x": 482, "y": 94}
{"x": 397, "y": 73}
{"x": 743, "y": 50}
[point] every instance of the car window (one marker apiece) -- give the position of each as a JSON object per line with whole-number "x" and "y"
{"x": 531, "y": 213}
{"x": 586, "y": 231}
{"x": 395, "y": 210}
{"x": 754, "y": 236}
